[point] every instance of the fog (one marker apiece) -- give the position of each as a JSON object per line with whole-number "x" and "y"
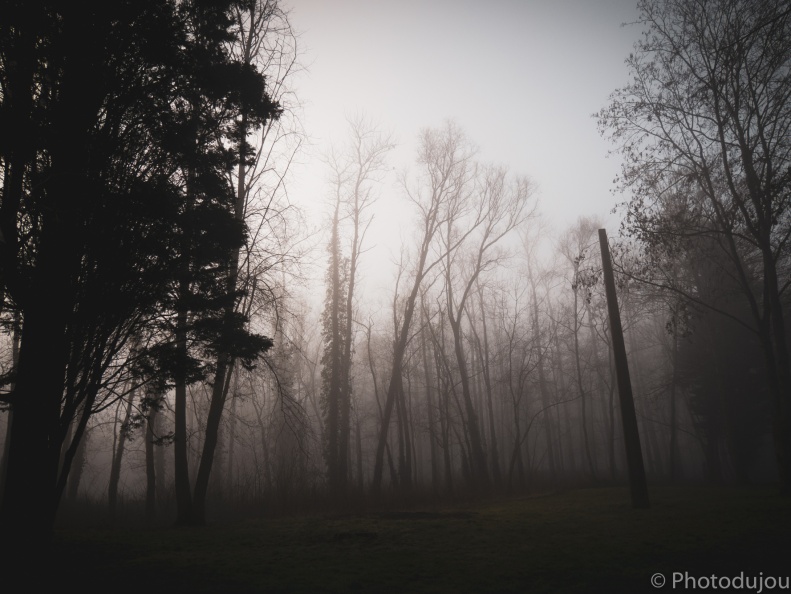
{"x": 342, "y": 260}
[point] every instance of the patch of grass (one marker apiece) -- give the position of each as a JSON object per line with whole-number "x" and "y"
{"x": 580, "y": 541}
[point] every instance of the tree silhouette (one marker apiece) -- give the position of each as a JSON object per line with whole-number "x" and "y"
{"x": 706, "y": 117}
{"x": 116, "y": 117}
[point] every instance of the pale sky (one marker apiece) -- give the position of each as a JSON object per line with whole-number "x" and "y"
{"x": 522, "y": 78}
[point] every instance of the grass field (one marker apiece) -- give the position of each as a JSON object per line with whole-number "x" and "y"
{"x": 587, "y": 540}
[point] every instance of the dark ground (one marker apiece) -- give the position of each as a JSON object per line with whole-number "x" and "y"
{"x": 588, "y": 540}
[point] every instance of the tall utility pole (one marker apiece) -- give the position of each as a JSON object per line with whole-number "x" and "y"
{"x": 634, "y": 454}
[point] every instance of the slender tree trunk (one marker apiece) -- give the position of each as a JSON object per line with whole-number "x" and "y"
{"x": 444, "y": 417}
{"x": 184, "y": 511}
{"x": 414, "y": 443}
{"x": 264, "y": 441}
{"x": 118, "y": 455}
{"x": 344, "y": 426}
{"x": 487, "y": 380}
{"x": 542, "y": 383}
{"x": 516, "y": 457}
{"x": 78, "y": 464}
{"x": 334, "y": 387}
{"x": 150, "y": 434}
{"x": 232, "y": 433}
{"x": 431, "y": 413}
{"x": 400, "y": 423}
{"x": 477, "y": 454}
{"x": 160, "y": 460}
{"x": 211, "y": 437}
{"x": 672, "y": 454}
{"x": 360, "y": 477}
{"x": 599, "y": 374}
{"x": 404, "y": 443}
{"x": 561, "y": 384}
{"x": 581, "y": 391}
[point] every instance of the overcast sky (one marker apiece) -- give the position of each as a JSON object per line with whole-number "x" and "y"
{"x": 522, "y": 78}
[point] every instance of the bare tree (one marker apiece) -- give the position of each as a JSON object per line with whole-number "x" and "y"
{"x": 445, "y": 158}
{"x": 530, "y": 244}
{"x": 707, "y": 116}
{"x": 475, "y": 225}
{"x": 355, "y": 171}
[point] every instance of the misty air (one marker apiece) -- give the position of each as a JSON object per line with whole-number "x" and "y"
{"x": 448, "y": 296}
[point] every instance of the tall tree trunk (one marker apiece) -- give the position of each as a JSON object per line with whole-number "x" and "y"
{"x": 344, "y": 424}
{"x": 479, "y": 468}
{"x": 581, "y": 390}
{"x": 184, "y": 509}
{"x": 333, "y": 363}
{"x": 516, "y": 456}
{"x": 444, "y": 417}
{"x": 78, "y": 464}
{"x": 160, "y": 461}
{"x": 119, "y": 442}
{"x": 360, "y": 477}
{"x": 561, "y": 386}
{"x": 673, "y": 452}
{"x": 542, "y": 383}
{"x": 151, "y": 434}
{"x": 231, "y": 477}
{"x": 404, "y": 443}
{"x": 431, "y": 413}
{"x": 483, "y": 351}
{"x": 598, "y": 373}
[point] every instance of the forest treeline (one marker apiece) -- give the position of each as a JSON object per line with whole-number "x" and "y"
{"x": 162, "y": 347}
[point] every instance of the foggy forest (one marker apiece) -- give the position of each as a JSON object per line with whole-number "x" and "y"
{"x": 235, "y": 356}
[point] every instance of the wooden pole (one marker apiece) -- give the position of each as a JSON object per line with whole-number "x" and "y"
{"x": 634, "y": 454}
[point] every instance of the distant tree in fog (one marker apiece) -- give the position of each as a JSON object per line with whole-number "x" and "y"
{"x": 445, "y": 160}
{"x": 355, "y": 169}
{"x": 471, "y": 239}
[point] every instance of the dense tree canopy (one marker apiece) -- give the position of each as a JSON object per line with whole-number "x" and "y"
{"x": 116, "y": 210}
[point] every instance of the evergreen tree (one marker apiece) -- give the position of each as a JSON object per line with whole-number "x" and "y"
{"x": 333, "y": 378}
{"x": 115, "y": 211}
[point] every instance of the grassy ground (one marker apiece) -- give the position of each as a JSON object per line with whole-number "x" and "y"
{"x": 578, "y": 541}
